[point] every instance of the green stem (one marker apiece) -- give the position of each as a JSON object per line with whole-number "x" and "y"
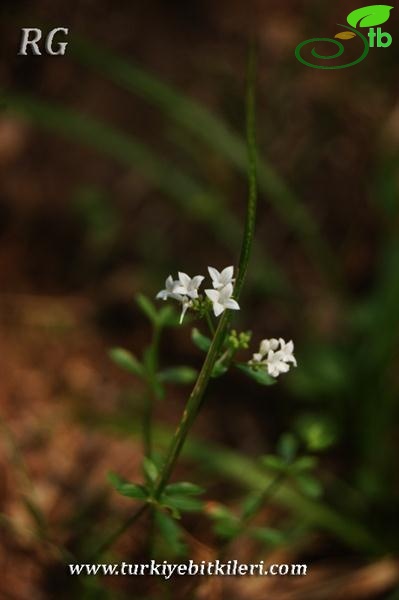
{"x": 250, "y": 219}
{"x": 261, "y": 501}
{"x": 152, "y": 392}
{"x": 147, "y": 421}
{"x": 111, "y": 539}
{"x": 210, "y": 324}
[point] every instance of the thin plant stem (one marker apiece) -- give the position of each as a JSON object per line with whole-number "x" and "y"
{"x": 152, "y": 392}
{"x": 196, "y": 397}
{"x": 250, "y": 219}
{"x": 147, "y": 423}
{"x": 210, "y": 324}
{"x": 115, "y": 535}
{"x": 262, "y": 500}
{"x": 248, "y": 516}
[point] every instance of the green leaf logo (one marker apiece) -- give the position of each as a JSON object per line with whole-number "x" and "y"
{"x": 369, "y": 16}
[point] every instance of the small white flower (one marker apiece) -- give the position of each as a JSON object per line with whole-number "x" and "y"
{"x": 221, "y": 299}
{"x": 287, "y": 351}
{"x": 264, "y": 349}
{"x": 169, "y": 291}
{"x": 275, "y": 355}
{"x": 187, "y": 286}
{"x": 174, "y": 288}
{"x": 221, "y": 278}
{"x": 276, "y": 364}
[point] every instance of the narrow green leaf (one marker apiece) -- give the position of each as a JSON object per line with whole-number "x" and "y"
{"x": 226, "y": 529}
{"x": 184, "y": 488}
{"x": 318, "y": 432}
{"x": 218, "y": 370}
{"x": 310, "y": 486}
{"x": 125, "y": 488}
{"x": 150, "y": 470}
{"x": 270, "y": 461}
{"x": 287, "y": 447}
{"x": 127, "y": 361}
{"x": 171, "y": 533}
{"x": 267, "y": 535}
{"x": 305, "y": 463}
{"x": 181, "y": 375}
{"x": 250, "y": 504}
{"x": 181, "y": 502}
{"x": 147, "y": 307}
{"x": 201, "y": 341}
{"x": 168, "y": 317}
{"x": 218, "y": 511}
{"x": 260, "y": 376}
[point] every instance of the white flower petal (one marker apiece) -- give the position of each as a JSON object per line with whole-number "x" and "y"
{"x": 184, "y": 279}
{"x": 218, "y": 308}
{"x": 197, "y": 280}
{"x": 232, "y": 304}
{"x": 180, "y": 289}
{"x": 227, "y": 274}
{"x": 273, "y": 344}
{"x": 214, "y": 273}
{"x": 226, "y": 292}
{"x": 213, "y": 295}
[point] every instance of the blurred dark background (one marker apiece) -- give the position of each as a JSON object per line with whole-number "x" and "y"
{"x": 113, "y": 175}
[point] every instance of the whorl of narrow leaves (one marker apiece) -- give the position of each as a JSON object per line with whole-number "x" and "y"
{"x": 299, "y": 469}
{"x": 201, "y": 341}
{"x": 176, "y": 497}
{"x": 125, "y": 488}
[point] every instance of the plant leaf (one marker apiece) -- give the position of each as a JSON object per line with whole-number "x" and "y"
{"x": 201, "y": 341}
{"x": 310, "y": 486}
{"x": 218, "y": 370}
{"x": 127, "y": 361}
{"x": 184, "y": 488}
{"x": 171, "y": 533}
{"x": 181, "y": 375}
{"x": 150, "y": 469}
{"x": 345, "y": 35}
{"x": 226, "y": 529}
{"x": 147, "y": 307}
{"x": 260, "y": 376}
{"x": 168, "y": 317}
{"x": 180, "y": 502}
{"x": 305, "y": 463}
{"x": 287, "y": 447}
{"x": 125, "y": 488}
{"x": 275, "y": 463}
{"x": 369, "y": 16}
{"x": 272, "y": 537}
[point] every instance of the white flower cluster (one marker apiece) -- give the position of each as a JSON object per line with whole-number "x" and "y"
{"x": 275, "y": 355}
{"x": 185, "y": 290}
